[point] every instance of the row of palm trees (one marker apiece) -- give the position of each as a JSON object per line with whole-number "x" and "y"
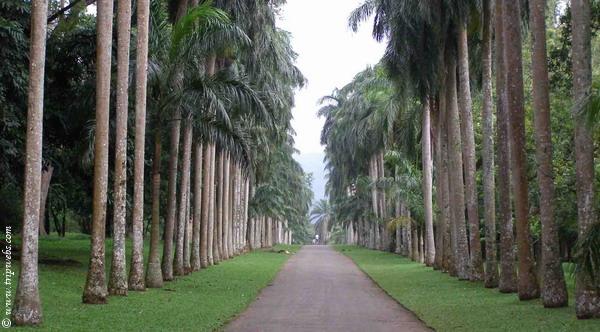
{"x": 421, "y": 92}
{"x": 219, "y": 78}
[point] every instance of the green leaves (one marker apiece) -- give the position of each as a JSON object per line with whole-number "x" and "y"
{"x": 201, "y": 18}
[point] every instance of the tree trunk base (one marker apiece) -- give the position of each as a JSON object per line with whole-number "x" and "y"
{"x": 95, "y": 296}
{"x": 587, "y": 304}
{"x": 27, "y": 311}
{"x": 136, "y": 282}
{"x": 154, "y": 276}
{"x": 117, "y": 291}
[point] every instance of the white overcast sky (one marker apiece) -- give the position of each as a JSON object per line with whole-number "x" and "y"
{"x": 330, "y": 54}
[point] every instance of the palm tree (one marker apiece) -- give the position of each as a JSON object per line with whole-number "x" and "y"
{"x": 587, "y": 297}
{"x": 158, "y": 37}
{"x": 179, "y": 269}
{"x": 468, "y": 151}
{"x": 427, "y": 182}
{"x": 226, "y": 222}
{"x": 167, "y": 259}
{"x": 95, "y": 291}
{"x": 154, "y": 277}
{"x": 527, "y": 282}
{"x": 554, "y": 288}
{"x": 197, "y": 222}
{"x": 27, "y": 308}
{"x": 489, "y": 183}
{"x": 204, "y": 261}
{"x": 508, "y": 278}
{"x": 136, "y": 275}
{"x": 117, "y": 284}
{"x": 320, "y": 216}
{"x": 219, "y": 189}
{"x": 455, "y": 175}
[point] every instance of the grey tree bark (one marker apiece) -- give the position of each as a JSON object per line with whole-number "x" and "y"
{"x": 205, "y": 205}
{"x": 468, "y": 150}
{"x": 508, "y": 278}
{"x": 587, "y": 297}
{"x": 218, "y": 253}
{"x": 554, "y": 288}
{"x": 117, "y": 284}
{"x": 427, "y": 182}
{"x": 186, "y": 147}
{"x": 95, "y": 290}
{"x": 154, "y": 273}
{"x": 167, "y": 259}
{"x": 211, "y": 205}
{"x": 455, "y": 175}
{"x": 197, "y": 222}
{"x": 136, "y": 274}
{"x": 527, "y": 280}
{"x": 27, "y": 309}
{"x": 226, "y": 186}
{"x": 487, "y": 155}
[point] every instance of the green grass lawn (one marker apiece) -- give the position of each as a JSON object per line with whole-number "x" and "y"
{"x": 202, "y": 301}
{"x": 447, "y": 304}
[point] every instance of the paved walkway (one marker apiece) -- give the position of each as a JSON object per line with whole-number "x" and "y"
{"x": 320, "y": 289}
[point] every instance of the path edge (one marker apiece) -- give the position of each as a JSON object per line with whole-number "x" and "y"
{"x": 379, "y": 286}
{"x": 270, "y": 282}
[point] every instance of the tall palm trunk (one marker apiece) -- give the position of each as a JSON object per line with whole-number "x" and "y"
{"x": 415, "y": 243}
{"x": 455, "y": 175}
{"x": 587, "y": 297}
{"x": 527, "y": 282}
{"x": 27, "y": 309}
{"x": 197, "y": 223}
{"x": 408, "y": 234}
{"x": 269, "y": 232}
{"x": 252, "y": 233}
{"x": 427, "y": 182}
{"x": 154, "y": 277}
{"x": 468, "y": 149}
{"x": 205, "y": 205}
{"x": 508, "y": 278}
{"x": 186, "y": 147}
{"x": 489, "y": 184}
{"x": 211, "y": 205}
{"x": 117, "y": 284}
{"x": 382, "y": 202}
{"x": 245, "y": 220}
{"x": 554, "y": 288}
{"x": 136, "y": 274}
{"x": 218, "y": 242}
{"x": 398, "y": 229}
{"x": 95, "y": 291}
{"x": 442, "y": 177}
{"x": 435, "y": 115}
{"x": 374, "y": 198}
{"x": 226, "y": 221}
{"x": 233, "y": 210}
{"x": 187, "y": 239}
{"x": 260, "y": 232}
{"x": 167, "y": 259}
